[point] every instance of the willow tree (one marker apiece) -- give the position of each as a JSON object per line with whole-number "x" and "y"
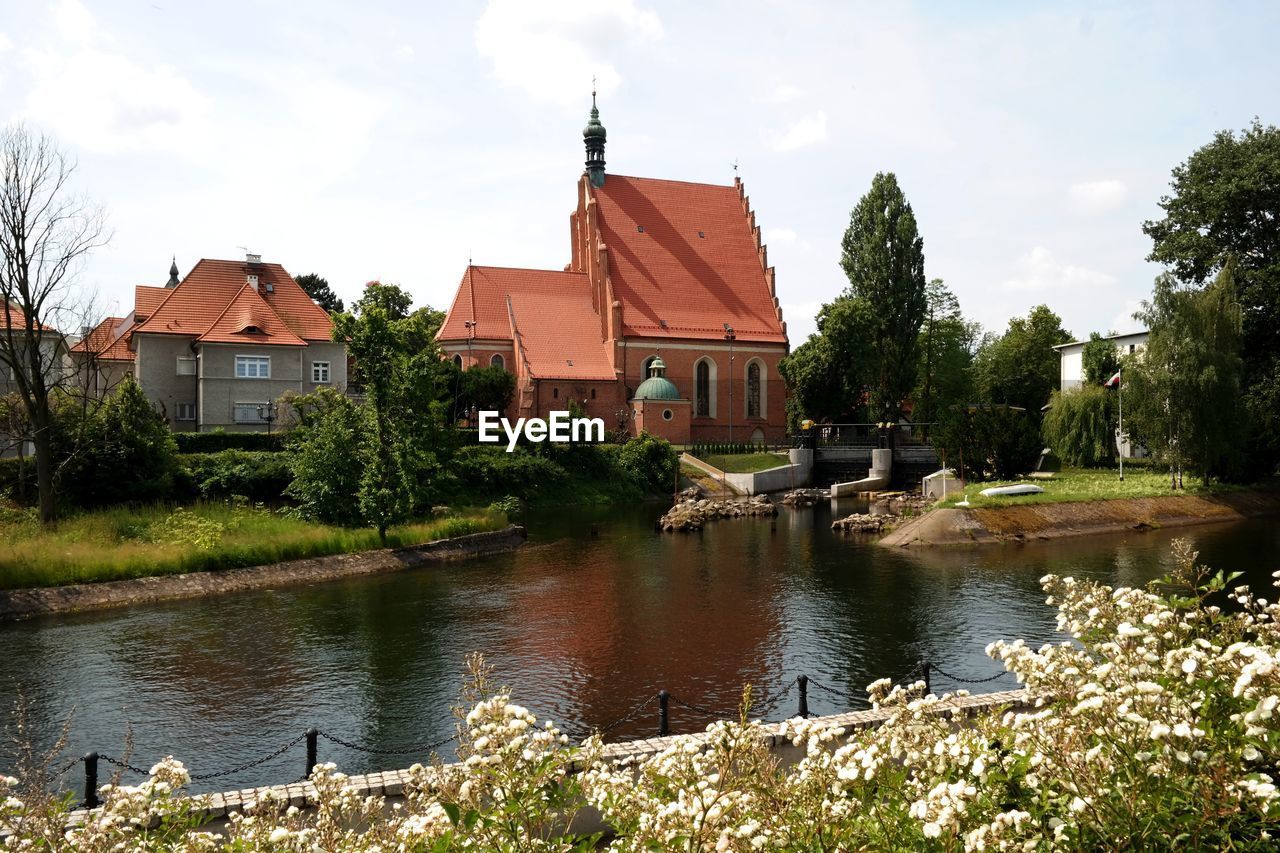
{"x": 883, "y": 256}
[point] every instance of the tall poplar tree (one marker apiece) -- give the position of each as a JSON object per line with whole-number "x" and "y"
{"x": 883, "y": 256}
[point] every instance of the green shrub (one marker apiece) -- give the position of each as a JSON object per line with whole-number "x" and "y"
{"x": 122, "y": 452}
{"x": 994, "y": 441}
{"x": 325, "y": 463}
{"x": 259, "y": 475}
{"x": 212, "y": 442}
{"x": 650, "y": 461}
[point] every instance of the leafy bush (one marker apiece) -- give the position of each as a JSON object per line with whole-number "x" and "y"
{"x": 124, "y": 451}
{"x": 258, "y": 475}
{"x": 212, "y": 442}
{"x": 993, "y": 440}
{"x": 483, "y": 471}
{"x": 650, "y": 461}
{"x": 325, "y": 465}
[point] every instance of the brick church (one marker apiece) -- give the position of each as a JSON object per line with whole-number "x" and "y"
{"x": 666, "y": 318}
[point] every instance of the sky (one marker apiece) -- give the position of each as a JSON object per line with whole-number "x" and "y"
{"x": 393, "y": 141}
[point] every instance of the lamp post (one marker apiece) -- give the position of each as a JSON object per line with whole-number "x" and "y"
{"x": 267, "y": 412}
{"x": 730, "y": 337}
{"x": 471, "y": 325}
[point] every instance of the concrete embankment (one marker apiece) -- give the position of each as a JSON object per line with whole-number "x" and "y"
{"x": 23, "y": 603}
{"x": 984, "y": 525}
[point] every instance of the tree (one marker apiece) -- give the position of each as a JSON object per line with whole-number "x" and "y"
{"x": 318, "y": 289}
{"x": 947, "y": 345}
{"x": 1099, "y": 359}
{"x": 827, "y": 375}
{"x": 1225, "y": 206}
{"x": 483, "y": 388}
{"x": 127, "y": 453}
{"x": 375, "y": 341}
{"x": 45, "y": 234}
{"x": 1021, "y": 367}
{"x": 326, "y": 473}
{"x": 1080, "y": 425}
{"x": 987, "y": 441}
{"x": 1183, "y": 395}
{"x": 883, "y": 256}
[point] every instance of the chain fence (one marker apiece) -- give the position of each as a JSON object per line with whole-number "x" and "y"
{"x": 856, "y": 698}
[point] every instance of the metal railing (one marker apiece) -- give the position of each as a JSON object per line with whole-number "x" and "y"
{"x": 923, "y": 671}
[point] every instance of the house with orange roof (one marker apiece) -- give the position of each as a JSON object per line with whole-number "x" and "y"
{"x": 102, "y": 358}
{"x": 218, "y": 348}
{"x": 659, "y": 271}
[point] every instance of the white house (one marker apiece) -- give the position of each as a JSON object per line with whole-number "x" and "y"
{"x": 1072, "y": 375}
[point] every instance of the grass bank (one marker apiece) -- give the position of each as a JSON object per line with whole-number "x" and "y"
{"x": 745, "y": 463}
{"x": 1091, "y": 484}
{"x": 120, "y": 543}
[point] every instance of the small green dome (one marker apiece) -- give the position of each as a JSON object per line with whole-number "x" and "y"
{"x": 657, "y": 386}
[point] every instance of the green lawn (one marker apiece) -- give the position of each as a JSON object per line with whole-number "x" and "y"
{"x": 746, "y": 463}
{"x": 119, "y": 543}
{"x": 1086, "y": 484}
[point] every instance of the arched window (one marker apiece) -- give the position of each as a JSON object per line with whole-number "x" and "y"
{"x": 457, "y": 360}
{"x": 704, "y": 389}
{"x": 555, "y": 393}
{"x": 644, "y": 367}
{"x": 498, "y": 361}
{"x": 753, "y": 390}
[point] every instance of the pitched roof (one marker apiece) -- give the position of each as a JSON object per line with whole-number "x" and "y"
{"x": 694, "y": 266}
{"x": 108, "y": 340}
{"x": 203, "y": 297}
{"x": 248, "y": 319}
{"x": 560, "y": 334}
{"x": 14, "y": 317}
{"x": 482, "y": 297}
{"x": 147, "y": 299}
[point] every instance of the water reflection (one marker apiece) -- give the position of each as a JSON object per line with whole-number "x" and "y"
{"x": 580, "y": 627}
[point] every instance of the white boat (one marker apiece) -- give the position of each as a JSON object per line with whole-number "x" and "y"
{"x": 1003, "y": 491}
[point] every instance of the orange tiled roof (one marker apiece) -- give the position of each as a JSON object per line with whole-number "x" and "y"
{"x": 203, "y": 297}
{"x": 560, "y": 334}
{"x": 147, "y": 299}
{"x": 668, "y": 273}
{"x": 482, "y": 297}
{"x": 248, "y": 319}
{"x": 15, "y": 318}
{"x": 549, "y": 310}
{"x": 108, "y": 341}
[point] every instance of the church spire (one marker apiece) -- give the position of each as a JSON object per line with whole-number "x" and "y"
{"x": 594, "y": 136}
{"x": 173, "y": 273}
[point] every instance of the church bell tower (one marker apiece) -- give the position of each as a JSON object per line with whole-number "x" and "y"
{"x": 594, "y": 136}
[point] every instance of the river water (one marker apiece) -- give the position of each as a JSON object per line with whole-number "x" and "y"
{"x": 581, "y": 627}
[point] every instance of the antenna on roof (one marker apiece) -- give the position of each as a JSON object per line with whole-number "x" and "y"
{"x": 735, "y": 165}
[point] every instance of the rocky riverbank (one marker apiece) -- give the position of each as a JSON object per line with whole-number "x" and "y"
{"x": 691, "y": 514}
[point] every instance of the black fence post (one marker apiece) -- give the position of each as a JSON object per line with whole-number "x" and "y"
{"x": 664, "y": 727}
{"x": 91, "y": 781}
{"x": 802, "y": 681}
{"x": 924, "y": 669}
{"x": 312, "y": 744}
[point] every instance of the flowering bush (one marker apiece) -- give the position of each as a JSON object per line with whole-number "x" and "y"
{"x": 1154, "y": 727}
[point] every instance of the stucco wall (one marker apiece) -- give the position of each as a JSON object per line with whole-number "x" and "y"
{"x": 157, "y": 372}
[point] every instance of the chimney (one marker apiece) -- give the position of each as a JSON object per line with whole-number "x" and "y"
{"x": 251, "y": 258}
{"x": 253, "y": 281}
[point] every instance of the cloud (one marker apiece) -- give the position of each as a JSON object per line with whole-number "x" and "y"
{"x": 551, "y": 50}
{"x": 785, "y": 94}
{"x": 809, "y": 130}
{"x": 1097, "y": 196}
{"x": 779, "y": 235}
{"x": 74, "y": 22}
{"x": 1040, "y": 272}
{"x": 1124, "y": 323}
